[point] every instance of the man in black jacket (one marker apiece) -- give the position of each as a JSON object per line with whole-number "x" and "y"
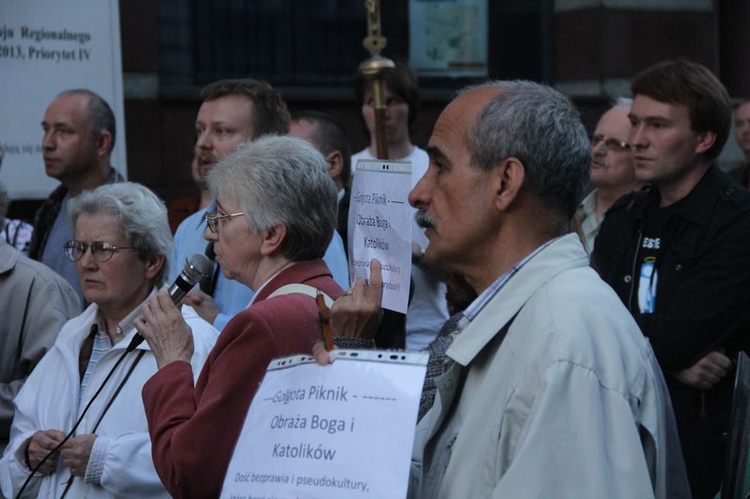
{"x": 678, "y": 254}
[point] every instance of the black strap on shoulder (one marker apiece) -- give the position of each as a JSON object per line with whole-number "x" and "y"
{"x": 106, "y": 408}
{"x": 119, "y": 388}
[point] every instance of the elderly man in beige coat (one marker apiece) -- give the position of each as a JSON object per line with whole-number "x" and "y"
{"x": 549, "y": 389}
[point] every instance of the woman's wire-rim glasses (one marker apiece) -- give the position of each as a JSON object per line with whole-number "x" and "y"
{"x": 212, "y": 219}
{"x": 101, "y": 251}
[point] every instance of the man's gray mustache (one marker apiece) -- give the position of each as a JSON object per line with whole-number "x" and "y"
{"x": 424, "y": 219}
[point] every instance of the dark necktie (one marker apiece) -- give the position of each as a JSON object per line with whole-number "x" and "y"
{"x": 436, "y": 363}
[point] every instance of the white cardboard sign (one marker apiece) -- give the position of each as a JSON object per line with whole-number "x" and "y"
{"x": 340, "y": 431}
{"x": 380, "y": 227}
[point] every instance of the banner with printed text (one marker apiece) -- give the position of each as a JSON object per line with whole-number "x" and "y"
{"x": 46, "y": 47}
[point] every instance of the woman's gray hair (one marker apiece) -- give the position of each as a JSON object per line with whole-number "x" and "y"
{"x": 142, "y": 216}
{"x": 281, "y": 180}
{"x": 539, "y": 126}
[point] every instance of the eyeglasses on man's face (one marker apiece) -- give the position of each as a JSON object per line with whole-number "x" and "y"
{"x": 101, "y": 251}
{"x": 213, "y": 218}
{"x": 610, "y": 144}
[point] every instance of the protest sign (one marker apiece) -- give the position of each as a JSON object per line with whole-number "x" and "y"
{"x": 380, "y": 227}
{"x": 339, "y": 431}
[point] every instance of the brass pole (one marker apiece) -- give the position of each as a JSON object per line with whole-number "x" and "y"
{"x": 375, "y": 70}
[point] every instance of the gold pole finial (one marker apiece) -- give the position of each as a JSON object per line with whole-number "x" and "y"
{"x": 375, "y": 69}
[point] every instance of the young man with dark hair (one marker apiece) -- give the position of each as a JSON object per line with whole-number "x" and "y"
{"x": 401, "y": 94}
{"x": 678, "y": 254}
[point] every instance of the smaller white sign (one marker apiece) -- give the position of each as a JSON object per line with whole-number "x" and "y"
{"x": 380, "y": 227}
{"x": 339, "y": 431}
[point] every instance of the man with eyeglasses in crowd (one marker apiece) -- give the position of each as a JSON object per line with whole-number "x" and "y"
{"x": 233, "y": 112}
{"x": 612, "y": 172}
{"x": 678, "y": 254}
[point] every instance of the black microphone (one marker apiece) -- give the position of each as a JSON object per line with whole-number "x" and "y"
{"x": 197, "y": 268}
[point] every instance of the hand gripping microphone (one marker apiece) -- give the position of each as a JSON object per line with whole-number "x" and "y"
{"x": 197, "y": 268}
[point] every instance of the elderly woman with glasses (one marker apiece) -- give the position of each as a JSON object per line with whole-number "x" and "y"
{"x": 276, "y": 215}
{"x": 80, "y": 428}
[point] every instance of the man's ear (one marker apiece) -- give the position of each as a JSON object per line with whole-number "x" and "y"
{"x": 104, "y": 143}
{"x": 508, "y": 179}
{"x": 705, "y": 141}
{"x": 336, "y": 164}
{"x": 272, "y": 239}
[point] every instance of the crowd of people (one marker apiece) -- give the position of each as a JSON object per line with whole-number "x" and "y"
{"x": 583, "y": 297}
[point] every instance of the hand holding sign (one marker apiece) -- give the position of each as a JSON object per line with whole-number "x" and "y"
{"x": 357, "y": 314}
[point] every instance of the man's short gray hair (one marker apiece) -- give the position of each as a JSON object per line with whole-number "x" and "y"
{"x": 281, "y": 180}
{"x": 539, "y": 126}
{"x": 142, "y": 216}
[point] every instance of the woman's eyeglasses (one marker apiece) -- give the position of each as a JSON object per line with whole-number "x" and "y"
{"x": 101, "y": 251}
{"x": 212, "y": 219}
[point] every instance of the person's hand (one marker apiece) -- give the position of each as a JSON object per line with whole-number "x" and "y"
{"x": 76, "y": 453}
{"x": 39, "y": 445}
{"x": 203, "y": 304}
{"x": 357, "y": 313}
{"x": 707, "y": 372}
{"x": 322, "y": 357}
{"x": 165, "y": 330}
